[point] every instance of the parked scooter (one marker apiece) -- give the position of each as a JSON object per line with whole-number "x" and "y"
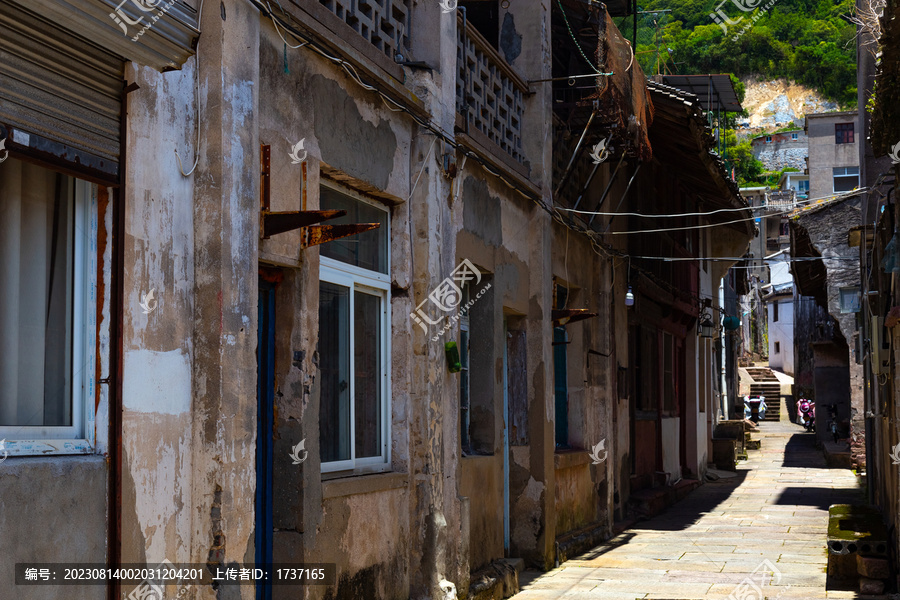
{"x": 755, "y": 408}
{"x": 806, "y": 413}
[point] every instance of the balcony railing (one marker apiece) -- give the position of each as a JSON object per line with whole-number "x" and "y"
{"x": 489, "y": 93}
{"x": 384, "y": 23}
{"x": 780, "y": 200}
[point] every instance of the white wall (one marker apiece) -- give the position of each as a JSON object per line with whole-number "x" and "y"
{"x": 781, "y": 331}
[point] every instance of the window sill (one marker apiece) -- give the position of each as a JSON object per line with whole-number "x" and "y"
{"x": 566, "y": 459}
{"x": 46, "y": 447}
{"x": 363, "y": 484}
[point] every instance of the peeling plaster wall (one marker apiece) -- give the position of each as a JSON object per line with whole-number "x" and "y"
{"x": 189, "y": 390}
{"x": 350, "y": 138}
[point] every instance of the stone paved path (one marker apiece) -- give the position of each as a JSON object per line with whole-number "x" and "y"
{"x": 716, "y": 541}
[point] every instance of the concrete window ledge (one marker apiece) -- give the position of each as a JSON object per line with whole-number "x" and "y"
{"x": 571, "y": 458}
{"x": 365, "y": 484}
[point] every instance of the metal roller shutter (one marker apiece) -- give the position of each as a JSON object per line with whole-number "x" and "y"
{"x": 60, "y": 95}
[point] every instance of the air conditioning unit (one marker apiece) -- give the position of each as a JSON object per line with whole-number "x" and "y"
{"x": 880, "y": 352}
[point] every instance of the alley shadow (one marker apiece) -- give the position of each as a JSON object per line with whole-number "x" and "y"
{"x": 819, "y": 497}
{"x": 608, "y": 546}
{"x": 696, "y": 504}
{"x": 800, "y": 451}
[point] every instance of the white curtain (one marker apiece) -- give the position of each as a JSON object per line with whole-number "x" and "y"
{"x": 36, "y": 281}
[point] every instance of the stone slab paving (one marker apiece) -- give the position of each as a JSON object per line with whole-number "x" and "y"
{"x": 758, "y": 535}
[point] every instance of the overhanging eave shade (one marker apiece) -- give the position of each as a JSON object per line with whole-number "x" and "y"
{"x": 164, "y": 45}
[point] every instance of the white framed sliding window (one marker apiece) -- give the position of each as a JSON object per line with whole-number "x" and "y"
{"x": 354, "y": 341}
{"x": 48, "y": 289}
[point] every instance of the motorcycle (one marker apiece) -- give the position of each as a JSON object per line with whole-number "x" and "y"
{"x": 755, "y": 405}
{"x": 806, "y": 414}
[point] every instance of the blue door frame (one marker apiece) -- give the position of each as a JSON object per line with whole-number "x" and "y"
{"x": 265, "y": 360}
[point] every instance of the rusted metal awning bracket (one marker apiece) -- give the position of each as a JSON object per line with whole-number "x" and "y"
{"x": 272, "y": 223}
{"x": 570, "y": 315}
{"x": 319, "y": 234}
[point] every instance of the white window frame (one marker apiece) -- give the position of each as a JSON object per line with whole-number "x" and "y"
{"x": 845, "y": 174}
{"x": 794, "y": 136}
{"x": 77, "y": 438}
{"x": 376, "y": 284}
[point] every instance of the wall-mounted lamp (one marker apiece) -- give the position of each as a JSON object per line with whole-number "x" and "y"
{"x": 707, "y": 327}
{"x": 629, "y": 297}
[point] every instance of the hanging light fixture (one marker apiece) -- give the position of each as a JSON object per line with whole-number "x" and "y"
{"x": 629, "y": 296}
{"x": 706, "y": 326}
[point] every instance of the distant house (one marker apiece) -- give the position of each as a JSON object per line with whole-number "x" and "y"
{"x": 833, "y": 162}
{"x": 780, "y": 304}
{"x": 779, "y": 150}
{"x": 798, "y": 182}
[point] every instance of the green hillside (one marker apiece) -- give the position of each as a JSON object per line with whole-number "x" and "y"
{"x": 807, "y": 41}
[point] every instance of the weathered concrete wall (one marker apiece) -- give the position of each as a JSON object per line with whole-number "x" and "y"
{"x": 189, "y": 415}
{"x": 481, "y": 480}
{"x": 576, "y": 506}
{"x": 53, "y": 511}
{"x": 824, "y": 154}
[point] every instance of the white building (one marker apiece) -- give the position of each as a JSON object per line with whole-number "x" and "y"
{"x": 780, "y": 307}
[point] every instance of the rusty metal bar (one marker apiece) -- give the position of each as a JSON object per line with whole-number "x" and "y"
{"x": 274, "y": 223}
{"x": 320, "y": 234}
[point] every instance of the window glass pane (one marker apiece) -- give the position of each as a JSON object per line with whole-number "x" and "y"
{"x": 37, "y": 281}
{"x": 334, "y": 369}
{"x": 367, "y": 366}
{"x": 368, "y": 250}
{"x": 846, "y": 183}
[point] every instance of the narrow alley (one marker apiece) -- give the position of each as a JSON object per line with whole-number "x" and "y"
{"x": 760, "y": 533}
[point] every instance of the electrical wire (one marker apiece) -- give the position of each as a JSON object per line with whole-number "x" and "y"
{"x": 793, "y": 205}
{"x": 707, "y": 225}
{"x": 594, "y": 238}
{"x": 388, "y": 101}
{"x": 575, "y": 40}
{"x": 422, "y": 170}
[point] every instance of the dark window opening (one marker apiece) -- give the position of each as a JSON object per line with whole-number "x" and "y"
{"x": 484, "y": 17}
{"x": 843, "y": 133}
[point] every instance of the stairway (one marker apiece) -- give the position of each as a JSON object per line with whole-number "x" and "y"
{"x": 765, "y": 384}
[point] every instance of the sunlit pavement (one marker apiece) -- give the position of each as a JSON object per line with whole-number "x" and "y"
{"x": 715, "y": 542}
